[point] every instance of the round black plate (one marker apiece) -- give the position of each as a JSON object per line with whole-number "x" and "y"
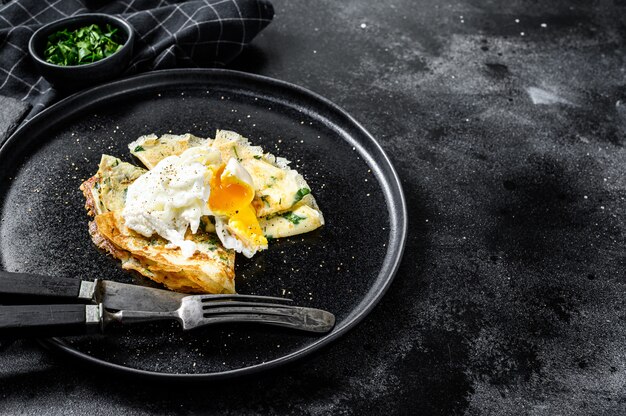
{"x": 344, "y": 267}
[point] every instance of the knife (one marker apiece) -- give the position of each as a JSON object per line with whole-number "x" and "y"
{"x": 101, "y": 298}
{"x": 15, "y": 287}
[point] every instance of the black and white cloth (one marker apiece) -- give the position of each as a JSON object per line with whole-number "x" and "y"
{"x": 169, "y": 34}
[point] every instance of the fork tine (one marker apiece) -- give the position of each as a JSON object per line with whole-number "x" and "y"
{"x": 262, "y": 309}
{"x": 235, "y": 296}
{"x": 197, "y": 311}
{"x": 322, "y": 323}
{"x": 233, "y": 303}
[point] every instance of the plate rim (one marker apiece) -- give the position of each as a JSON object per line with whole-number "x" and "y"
{"x": 393, "y": 255}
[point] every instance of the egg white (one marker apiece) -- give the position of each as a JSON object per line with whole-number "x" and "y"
{"x": 171, "y": 197}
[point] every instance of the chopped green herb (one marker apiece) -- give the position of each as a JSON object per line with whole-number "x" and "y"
{"x": 264, "y": 199}
{"x": 302, "y": 192}
{"x": 269, "y": 237}
{"x": 117, "y": 162}
{"x": 82, "y": 46}
{"x": 293, "y": 218}
{"x": 257, "y": 157}
{"x": 210, "y": 244}
{"x": 97, "y": 185}
{"x": 236, "y": 154}
{"x": 274, "y": 178}
{"x": 139, "y": 149}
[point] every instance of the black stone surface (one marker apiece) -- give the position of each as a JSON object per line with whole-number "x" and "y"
{"x": 506, "y": 122}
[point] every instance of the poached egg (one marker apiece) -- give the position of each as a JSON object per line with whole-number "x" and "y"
{"x": 230, "y": 200}
{"x": 171, "y": 199}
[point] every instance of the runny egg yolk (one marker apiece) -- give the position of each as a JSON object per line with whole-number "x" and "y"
{"x": 232, "y": 197}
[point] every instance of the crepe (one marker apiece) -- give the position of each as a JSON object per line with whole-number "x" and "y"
{"x": 283, "y": 200}
{"x": 282, "y": 203}
{"x": 209, "y": 270}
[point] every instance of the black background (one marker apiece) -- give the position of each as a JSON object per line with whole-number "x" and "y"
{"x": 506, "y": 122}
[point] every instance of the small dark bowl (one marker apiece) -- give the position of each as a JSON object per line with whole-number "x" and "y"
{"x": 79, "y": 76}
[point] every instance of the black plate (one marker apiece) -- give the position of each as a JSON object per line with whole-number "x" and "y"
{"x": 344, "y": 267}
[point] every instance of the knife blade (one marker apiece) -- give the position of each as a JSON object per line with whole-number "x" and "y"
{"x": 19, "y": 287}
{"x": 114, "y": 295}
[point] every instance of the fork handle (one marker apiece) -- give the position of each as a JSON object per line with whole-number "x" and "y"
{"x": 48, "y": 320}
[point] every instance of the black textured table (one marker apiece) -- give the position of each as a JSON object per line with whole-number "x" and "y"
{"x": 506, "y": 122}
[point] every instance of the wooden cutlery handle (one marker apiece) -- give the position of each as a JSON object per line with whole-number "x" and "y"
{"x": 42, "y": 321}
{"x": 14, "y": 287}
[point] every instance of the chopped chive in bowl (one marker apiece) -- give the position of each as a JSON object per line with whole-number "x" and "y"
{"x": 82, "y": 46}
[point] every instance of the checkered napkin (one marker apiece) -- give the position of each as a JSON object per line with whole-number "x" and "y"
{"x": 170, "y": 34}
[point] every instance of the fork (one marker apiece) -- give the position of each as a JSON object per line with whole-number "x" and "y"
{"x": 201, "y": 310}
{"x": 194, "y": 311}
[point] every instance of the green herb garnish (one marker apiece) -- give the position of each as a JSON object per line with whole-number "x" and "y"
{"x": 264, "y": 199}
{"x": 302, "y": 192}
{"x": 139, "y": 149}
{"x": 293, "y": 218}
{"x": 236, "y": 154}
{"x": 82, "y": 46}
{"x": 257, "y": 157}
{"x": 210, "y": 245}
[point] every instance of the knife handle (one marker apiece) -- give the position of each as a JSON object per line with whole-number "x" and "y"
{"x": 16, "y": 287}
{"x": 42, "y": 321}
